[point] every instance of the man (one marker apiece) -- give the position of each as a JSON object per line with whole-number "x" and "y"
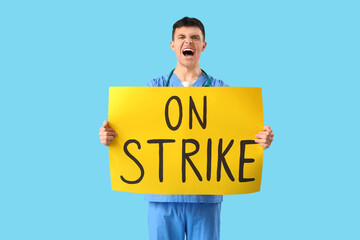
{"x": 196, "y": 216}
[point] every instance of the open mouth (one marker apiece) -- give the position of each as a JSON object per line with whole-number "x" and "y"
{"x": 188, "y": 52}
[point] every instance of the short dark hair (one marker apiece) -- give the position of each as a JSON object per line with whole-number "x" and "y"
{"x": 188, "y": 22}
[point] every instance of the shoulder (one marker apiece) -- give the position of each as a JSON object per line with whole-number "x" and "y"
{"x": 217, "y": 83}
{"x": 158, "y": 82}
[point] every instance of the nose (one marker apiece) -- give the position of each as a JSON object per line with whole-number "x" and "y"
{"x": 188, "y": 40}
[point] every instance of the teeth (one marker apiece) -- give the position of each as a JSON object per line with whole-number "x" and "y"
{"x": 188, "y": 49}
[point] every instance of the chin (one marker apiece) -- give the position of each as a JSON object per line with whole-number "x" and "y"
{"x": 189, "y": 63}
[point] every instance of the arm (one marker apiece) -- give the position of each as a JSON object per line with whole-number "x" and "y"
{"x": 265, "y": 138}
{"x": 107, "y": 134}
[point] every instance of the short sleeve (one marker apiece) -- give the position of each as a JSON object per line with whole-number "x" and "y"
{"x": 150, "y": 83}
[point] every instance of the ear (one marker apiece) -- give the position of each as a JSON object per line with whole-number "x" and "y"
{"x": 172, "y": 45}
{"x": 204, "y": 46}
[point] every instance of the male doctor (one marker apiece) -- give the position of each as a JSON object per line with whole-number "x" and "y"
{"x": 172, "y": 217}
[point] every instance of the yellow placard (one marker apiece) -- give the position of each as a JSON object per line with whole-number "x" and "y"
{"x": 180, "y": 140}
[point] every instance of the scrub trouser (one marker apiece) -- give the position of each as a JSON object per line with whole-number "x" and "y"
{"x": 174, "y": 221}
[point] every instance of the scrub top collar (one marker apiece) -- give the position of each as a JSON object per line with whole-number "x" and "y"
{"x": 175, "y": 81}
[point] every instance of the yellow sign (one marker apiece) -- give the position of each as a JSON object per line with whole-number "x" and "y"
{"x": 180, "y": 140}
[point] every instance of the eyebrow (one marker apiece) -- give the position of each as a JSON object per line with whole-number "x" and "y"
{"x": 194, "y": 35}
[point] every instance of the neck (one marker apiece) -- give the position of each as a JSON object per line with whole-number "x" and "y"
{"x": 186, "y": 74}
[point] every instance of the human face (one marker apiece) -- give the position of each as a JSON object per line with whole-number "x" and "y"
{"x": 188, "y": 44}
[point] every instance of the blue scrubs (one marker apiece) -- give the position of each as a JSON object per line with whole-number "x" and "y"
{"x": 172, "y": 217}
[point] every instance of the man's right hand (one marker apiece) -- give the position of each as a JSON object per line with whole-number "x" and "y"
{"x": 107, "y": 134}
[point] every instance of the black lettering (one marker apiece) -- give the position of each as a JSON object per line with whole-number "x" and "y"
{"x": 167, "y": 113}
{"x": 222, "y": 160}
{"x": 208, "y": 170}
{"x": 135, "y": 160}
{"x": 192, "y": 108}
{"x": 244, "y": 160}
{"x": 161, "y": 154}
{"x": 186, "y": 156}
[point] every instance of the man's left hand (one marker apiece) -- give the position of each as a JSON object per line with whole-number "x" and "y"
{"x": 265, "y": 138}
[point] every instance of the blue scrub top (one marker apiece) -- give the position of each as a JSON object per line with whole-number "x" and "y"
{"x": 175, "y": 82}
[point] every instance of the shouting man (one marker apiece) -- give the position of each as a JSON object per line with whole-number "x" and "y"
{"x": 195, "y": 216}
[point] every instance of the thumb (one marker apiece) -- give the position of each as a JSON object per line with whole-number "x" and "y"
{"x": 105, "y": 124}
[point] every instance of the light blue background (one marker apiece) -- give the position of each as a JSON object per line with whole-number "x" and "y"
{"x": 58, "y": 58}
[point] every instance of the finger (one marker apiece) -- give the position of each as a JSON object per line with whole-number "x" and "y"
{"x": 259, "y": 134}
{"x": 107, "y": 138}
{"x": 263, "y": 132}
{"x": 104, "y": 134}
{"x": 271, "y": 137}
{"x": 105, "y": 124}
{"x": 260, "y": 140}
{"x": 265, "y": 146}
{"x": 102, "y": 129}
{"x": 111, "y": 131}
{"x": 267, "y": 128}
{"x": 263, "y": 141}
{"x": 105, "y": 143}
{"x": 262, "y": 135}
{"x": 108, "y": 134}
{"x": 266, "y": 135}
